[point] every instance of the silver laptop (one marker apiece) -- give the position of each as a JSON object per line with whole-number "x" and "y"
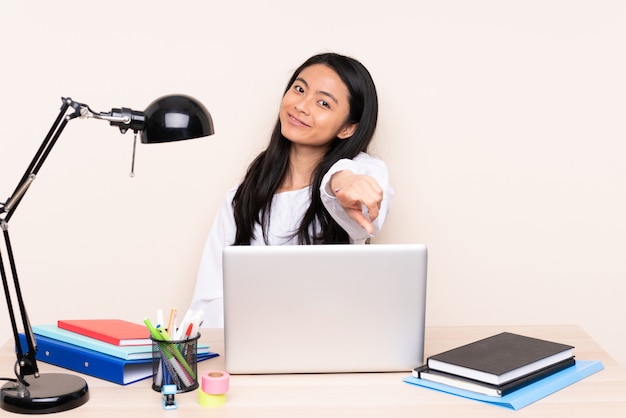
{"x": 324, "y": 308}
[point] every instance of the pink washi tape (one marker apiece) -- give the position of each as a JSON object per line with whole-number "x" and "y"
{"x": 215, "y": 382}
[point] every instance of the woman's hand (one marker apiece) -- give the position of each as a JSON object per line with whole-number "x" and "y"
{"x": 353, "y": 191}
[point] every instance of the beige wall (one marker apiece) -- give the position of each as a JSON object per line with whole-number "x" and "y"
{"x": 503, "y": 124}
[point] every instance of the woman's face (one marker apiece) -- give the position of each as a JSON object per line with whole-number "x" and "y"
{"x": 315, "y": 109}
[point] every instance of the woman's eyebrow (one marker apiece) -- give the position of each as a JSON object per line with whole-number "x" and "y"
{"x": 325, "y": 93}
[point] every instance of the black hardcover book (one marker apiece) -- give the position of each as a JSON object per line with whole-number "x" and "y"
{"x": 459, "y": 382}
{"x": 500, "y": 358}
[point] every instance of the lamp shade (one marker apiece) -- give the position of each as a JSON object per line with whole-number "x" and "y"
{"x": 174, "y": 118}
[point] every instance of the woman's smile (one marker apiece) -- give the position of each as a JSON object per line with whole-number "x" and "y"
{"x": 296, "y": 121}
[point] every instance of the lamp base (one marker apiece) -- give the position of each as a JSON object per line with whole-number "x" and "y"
{"x": 50, "y": 392}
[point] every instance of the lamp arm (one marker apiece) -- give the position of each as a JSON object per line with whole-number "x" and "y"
{"x": 26, "y": 362}
{"x": 123, "y": 118}
{"x": 40, "y": 156}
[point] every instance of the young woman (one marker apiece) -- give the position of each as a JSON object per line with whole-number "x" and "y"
{"x": 315, "y": 182}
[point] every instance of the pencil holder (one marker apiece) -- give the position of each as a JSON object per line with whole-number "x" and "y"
{"x": 175, "y": 363}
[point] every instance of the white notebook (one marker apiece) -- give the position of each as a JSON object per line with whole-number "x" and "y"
{"x": 324, "y": 308}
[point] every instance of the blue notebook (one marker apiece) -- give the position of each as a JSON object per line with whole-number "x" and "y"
{"x": 94, "y": 363}
{"x": 526, "y": 395}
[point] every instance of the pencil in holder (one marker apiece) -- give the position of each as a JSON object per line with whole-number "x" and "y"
{"x": 175, "y": 363}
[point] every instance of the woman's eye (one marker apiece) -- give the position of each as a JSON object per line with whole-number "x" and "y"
{"x": 324, "y": 103}
{"x": 299, "y": 89}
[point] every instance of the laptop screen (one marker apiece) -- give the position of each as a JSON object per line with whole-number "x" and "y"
{"x": 324, "y": 308}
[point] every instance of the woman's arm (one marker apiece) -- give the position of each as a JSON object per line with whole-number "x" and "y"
{"x": 208, "y": 292}
{"x": 357, "y": 194}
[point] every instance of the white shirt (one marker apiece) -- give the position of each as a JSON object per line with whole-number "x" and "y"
{"x": 288, "y": 208}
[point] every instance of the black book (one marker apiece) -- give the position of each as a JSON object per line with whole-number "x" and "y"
{"x": 459, "y": 382}
{"x": 500, "y": 358}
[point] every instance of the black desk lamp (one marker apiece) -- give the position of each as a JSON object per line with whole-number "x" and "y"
{"x": 169, "y": 118}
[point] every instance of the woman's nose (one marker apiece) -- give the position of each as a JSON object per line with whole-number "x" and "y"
{"x": 303, "y": 105}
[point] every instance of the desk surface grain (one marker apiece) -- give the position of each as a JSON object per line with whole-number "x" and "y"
{"x": 366, "y": 394}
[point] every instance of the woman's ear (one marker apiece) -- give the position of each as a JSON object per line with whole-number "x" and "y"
{"x": 347, "y": 130}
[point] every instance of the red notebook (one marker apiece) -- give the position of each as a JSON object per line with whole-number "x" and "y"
{"x": 112, "y": 331}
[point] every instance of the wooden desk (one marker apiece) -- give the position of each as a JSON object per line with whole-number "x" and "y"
{"x": 359, "y": 395}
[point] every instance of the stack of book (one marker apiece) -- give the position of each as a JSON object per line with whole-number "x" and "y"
{"x": 503, "y": 366}
{"x": 111, "y": 349}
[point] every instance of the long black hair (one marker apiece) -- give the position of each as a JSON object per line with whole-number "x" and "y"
{"x": 252, "y": 203}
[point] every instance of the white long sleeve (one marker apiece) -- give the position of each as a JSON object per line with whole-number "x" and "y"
{"x": 208, "y": 293}
{"x": 361, "y": 164}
